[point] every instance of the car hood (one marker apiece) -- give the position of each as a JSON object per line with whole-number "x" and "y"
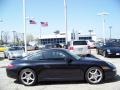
{"x": 91, "y": 59}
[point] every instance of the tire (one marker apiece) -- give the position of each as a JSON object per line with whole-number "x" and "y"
{"x": 8, "y": 57}
{"x": 94, "y": 75}
{"x": 5, "y": 55}
{"x": 105, "y": 54}
{"x": 97, "y": 52}
{"x": 28, "y": 77}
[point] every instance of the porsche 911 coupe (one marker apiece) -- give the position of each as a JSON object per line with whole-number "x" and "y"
{"x": 59, "y": 65}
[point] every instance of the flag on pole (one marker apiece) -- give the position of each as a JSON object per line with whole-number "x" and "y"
{"x": 32, "y": 22}
{"x": 44, "y": 24}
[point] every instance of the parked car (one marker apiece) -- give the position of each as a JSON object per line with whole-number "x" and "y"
{"x": 3, "y": 48}
{"x": 91, "y": 43}
{"x": 108, "y": 49}
{"x": 54, "y": 45}
{"x": 30, "y": 47}
{"x": 79, "y": 47}
{"x": 14, "y": 52}
{"x": 59, "y": 64}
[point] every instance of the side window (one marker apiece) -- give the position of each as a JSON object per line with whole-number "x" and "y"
{"x": 54, "y": 55}
{"x": 36, "y": 56}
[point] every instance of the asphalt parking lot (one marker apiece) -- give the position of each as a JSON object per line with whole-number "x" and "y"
{"x": 11, "y": 84}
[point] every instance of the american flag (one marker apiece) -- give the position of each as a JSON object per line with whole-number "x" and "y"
{"x": 32, "y": 22}
{"x": 44, "y": 24}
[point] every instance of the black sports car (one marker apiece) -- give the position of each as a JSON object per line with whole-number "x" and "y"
{"x": 109, "y": 49}
{"x": 59, "y": 64}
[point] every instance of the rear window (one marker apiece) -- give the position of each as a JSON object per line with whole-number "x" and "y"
{"x": 79, "y": 43}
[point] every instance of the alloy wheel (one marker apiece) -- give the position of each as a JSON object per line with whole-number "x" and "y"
{"x": 28, "y": 77}
{"x": 94, "y": 75}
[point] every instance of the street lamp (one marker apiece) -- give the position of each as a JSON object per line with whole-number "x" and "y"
{"x": 103, "y": 14}
{"x": 110, "y": 27}
{"x": 90, "y": 31}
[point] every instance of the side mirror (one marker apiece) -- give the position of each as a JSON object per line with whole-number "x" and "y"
{"x": 69, "y": 60}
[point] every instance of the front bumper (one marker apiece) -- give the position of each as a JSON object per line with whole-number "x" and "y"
{"x": 110, "y": 74}
{"x": 15, "y": 56}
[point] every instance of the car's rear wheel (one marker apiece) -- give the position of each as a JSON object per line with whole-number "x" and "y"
{"x": 94, "y": 75}
{"x": 28, "y": 77}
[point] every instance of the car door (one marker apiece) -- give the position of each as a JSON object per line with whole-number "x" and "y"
{"x": 57, "y": 67}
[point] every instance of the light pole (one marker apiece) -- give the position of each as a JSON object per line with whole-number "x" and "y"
{"x": 14, "y": 36}
{"x": 90, "y": 31}
{"x": 24, "y": 25}
{"x": 103, "y": 14}
{"x": 110, "y": 27}
{"x": 65, "y": 12}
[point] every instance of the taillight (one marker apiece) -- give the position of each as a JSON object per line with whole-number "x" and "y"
{"x": 10, "y": 66}
{"x": 71, "y": 48}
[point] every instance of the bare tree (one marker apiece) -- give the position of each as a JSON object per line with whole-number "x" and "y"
{"x": 5, "y": 37}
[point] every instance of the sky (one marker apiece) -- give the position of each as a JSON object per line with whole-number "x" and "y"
{"x": 82, "y": 16}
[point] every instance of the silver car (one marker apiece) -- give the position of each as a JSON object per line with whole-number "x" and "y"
{"x": 14, "y": 52}
{"x": 79, "y": 47}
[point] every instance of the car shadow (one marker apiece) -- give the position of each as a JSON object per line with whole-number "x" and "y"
{"x": 54, "y": 82}
{"x": 116, "y": 79}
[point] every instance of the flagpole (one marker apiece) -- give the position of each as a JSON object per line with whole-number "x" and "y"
{"x": 65, "y": 12}
{"x": 24, "y": 25}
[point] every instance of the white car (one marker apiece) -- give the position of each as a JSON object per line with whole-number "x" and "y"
{"x": 79, "y": 47}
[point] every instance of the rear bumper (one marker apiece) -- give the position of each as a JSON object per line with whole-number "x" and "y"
{"x": 113, "y": 54}
{"x": 11, "y": 73}
{"x": 81, "y": 53}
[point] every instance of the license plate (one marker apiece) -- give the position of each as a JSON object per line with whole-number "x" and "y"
{"x": 80, "y": 49}
{"x": 117, "y": 53}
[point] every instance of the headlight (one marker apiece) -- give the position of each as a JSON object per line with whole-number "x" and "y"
{"x": 108, "y": 50}
{"x": 111, "y": 64}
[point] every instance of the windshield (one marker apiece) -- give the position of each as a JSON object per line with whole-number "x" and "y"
{"x": 74, "y": 55}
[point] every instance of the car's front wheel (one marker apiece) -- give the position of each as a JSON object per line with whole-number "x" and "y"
{"x": 105, "y": 54}
{"x": 28, "y": 77}
{"x": 94, "y": 75}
